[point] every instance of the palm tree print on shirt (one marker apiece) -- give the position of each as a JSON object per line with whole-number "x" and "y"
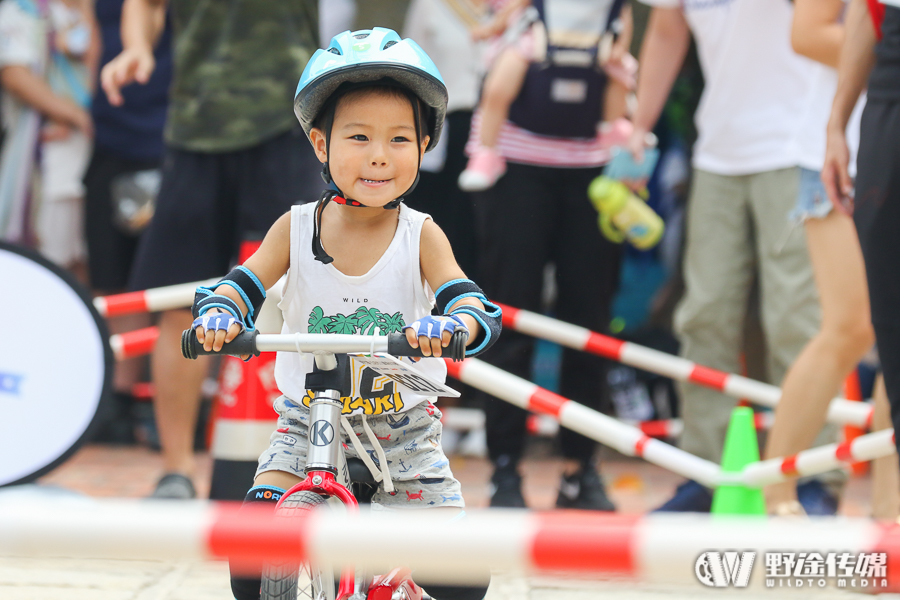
{"x": 365, "y": 321}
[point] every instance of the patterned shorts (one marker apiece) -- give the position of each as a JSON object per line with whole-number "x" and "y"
{"x": 411, "y": 441}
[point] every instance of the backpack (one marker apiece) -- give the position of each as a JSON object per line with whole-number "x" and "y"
{"x": 562, "y": 96}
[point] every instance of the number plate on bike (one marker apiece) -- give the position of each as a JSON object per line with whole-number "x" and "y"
{"x": 405, "y": 374}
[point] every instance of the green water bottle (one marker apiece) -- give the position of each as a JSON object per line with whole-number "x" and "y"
{"x": 623, "y": 215}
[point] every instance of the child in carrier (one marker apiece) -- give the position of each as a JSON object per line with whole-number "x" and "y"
{"x": 584, "y": 42}
{"x": 360, "y": 261}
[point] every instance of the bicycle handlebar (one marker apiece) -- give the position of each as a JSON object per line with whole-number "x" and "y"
{"x": 252, "y": 342}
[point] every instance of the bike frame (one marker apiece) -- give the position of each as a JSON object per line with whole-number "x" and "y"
{"x": 325, "y": 454}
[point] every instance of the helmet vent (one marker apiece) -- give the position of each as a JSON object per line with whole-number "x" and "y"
{"x": 360, "y": 36}
{"x": 389, "y": 44}
{"x": 334, "y": 50}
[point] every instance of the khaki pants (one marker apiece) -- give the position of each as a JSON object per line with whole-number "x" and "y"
{"x": 738, "y": 228}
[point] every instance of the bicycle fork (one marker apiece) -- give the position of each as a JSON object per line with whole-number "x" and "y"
{"x": 329, "y": 382}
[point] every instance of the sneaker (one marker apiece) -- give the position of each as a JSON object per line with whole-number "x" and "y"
{"x": 816, "y": 499}
{"x": 174, "y": 486}
{"x": 485, "y": 167}
{"x": 506, "y": 488}
{"x": 690, "y": 496}
{"x": 583, "y": 490}
{"x": 789, "y": 508}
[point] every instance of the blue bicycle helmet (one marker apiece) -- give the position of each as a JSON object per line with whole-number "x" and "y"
{"x": 367, "y": 56}
{"x": 358, "y": 59}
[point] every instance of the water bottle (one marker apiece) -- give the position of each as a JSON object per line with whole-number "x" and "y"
{"x": 623, "y": 215}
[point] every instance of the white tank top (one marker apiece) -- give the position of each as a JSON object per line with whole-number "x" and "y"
{"x": 320, "y": 299}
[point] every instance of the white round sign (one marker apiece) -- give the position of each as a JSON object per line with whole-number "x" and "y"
{"x": 55, "y": 364}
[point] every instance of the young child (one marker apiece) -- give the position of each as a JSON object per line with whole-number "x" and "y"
{"x": 358, "y": 261}
{"x": 48, "y": 52}
{"x": 524, "y": 42}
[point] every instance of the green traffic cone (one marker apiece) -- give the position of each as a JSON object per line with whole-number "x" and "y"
{"x": 740, "y": 450}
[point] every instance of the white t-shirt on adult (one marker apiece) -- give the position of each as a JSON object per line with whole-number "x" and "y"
{"x": 441, "y": 33}
{"x": 810, "y": 143}
{"x": 755, "y": 85}
{"x": 814, "y": 118}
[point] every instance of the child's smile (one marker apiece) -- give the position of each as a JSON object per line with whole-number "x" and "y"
{"x": 375, "y": 182}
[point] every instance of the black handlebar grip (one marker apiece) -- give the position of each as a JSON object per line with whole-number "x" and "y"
{"x": 244, "y": 343}
{"x": 456, "y": 349}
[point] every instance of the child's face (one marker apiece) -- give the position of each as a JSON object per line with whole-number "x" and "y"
{"x": 374, "y": 157}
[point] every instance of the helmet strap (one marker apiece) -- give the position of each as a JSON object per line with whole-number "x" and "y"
{"x": 317, "y": 249}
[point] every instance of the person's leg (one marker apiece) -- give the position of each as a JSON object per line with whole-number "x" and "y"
{"x": 789, "y": 304}
{"x": 877, "y": 216}
{"x": 718, "y": 272}
{"x": 501, "y": 86}
{"x": 587, "y": 275}
{"x": 885, "y": 470}
{"x": 514, "y": 239}
{"x": 268, "y": 487}
{"x": 177, "y": 382}
{"x": 189, "y": 239}
{"x": 845, "y": 335}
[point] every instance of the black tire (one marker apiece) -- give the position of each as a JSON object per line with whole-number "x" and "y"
{"x": 293, "y": 581}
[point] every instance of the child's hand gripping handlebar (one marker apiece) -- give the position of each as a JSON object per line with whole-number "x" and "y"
{"x": 251, "y": 342}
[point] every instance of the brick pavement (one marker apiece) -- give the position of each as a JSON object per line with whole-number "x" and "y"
{"x": 634, "y": 485}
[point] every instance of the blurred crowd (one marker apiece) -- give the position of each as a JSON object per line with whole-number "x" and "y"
{"x": 129, "y": 125}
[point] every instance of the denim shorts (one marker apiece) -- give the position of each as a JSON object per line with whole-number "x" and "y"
{"x": 812, "y": 201}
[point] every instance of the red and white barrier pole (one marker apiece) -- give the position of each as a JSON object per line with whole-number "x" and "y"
{"x": 660, "y": 548}
{"x": 853, "y": 392}
{"x": 152, "y": 300}
{"x": 820, "y": 460}
{"x": 632, "y": 441}
{"x": 133, "y": 343}
{"x": 671, "y": 428}
{"x": 580, "y": 338}
{"x": 467, "y": 419}
{"x": 624, "y": 438}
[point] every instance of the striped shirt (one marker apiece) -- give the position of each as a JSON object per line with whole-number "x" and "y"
{"x": 519, "y": 145}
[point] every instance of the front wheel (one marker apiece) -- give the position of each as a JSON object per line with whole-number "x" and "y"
{"x": 293, "y": 581}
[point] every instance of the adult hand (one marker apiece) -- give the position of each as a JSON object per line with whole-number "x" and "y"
{"x": 132, "y": 64}
{"x": 55, "y": 131}
{"x": 81, "y": 120}
{"x": 835, "y": 173}
{"x": 637, "y": 144}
